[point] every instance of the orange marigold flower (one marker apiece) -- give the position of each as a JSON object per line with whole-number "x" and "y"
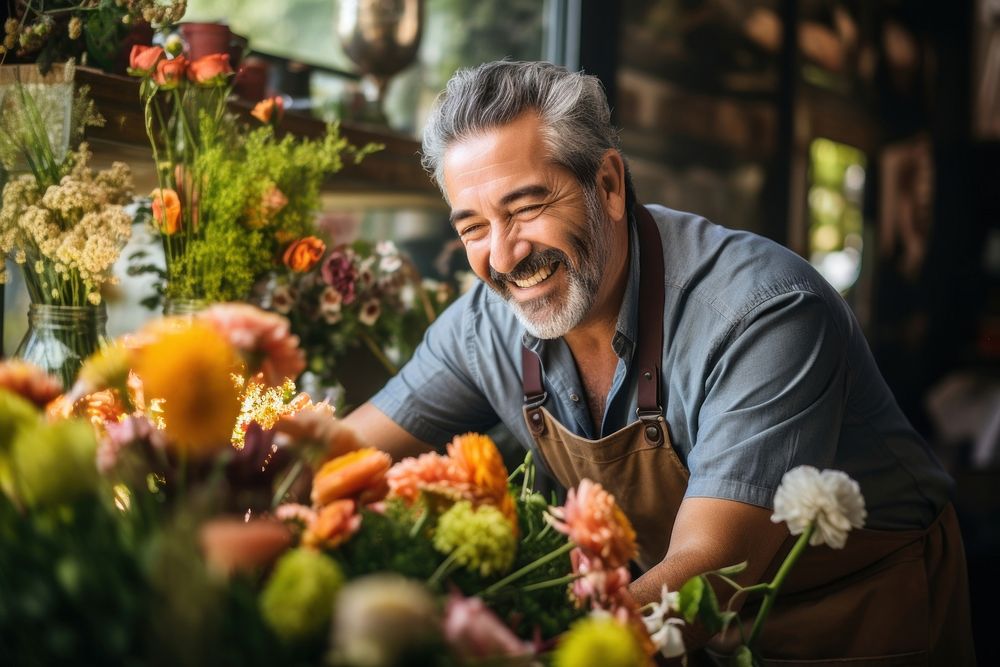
{"x": 303, "y": 254}
{"x": 334, "y": 525}
{"x": 166, "y": 210}
{"x": 29, "y": 382}
{"x": 480, "y": 461}
{"x": 596, "y": 524}
{"x": 352, "y": 475}
{"x": 188, "y": 369}
{"x": 266, "y": 109}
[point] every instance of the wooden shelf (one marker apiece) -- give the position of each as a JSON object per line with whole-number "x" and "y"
{"x": 395, "y": 170}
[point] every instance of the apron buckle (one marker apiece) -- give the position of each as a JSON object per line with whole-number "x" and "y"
{"x": 535, "y": 400}
{"x": 652, "y": 429}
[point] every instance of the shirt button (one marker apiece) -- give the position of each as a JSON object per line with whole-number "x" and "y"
{"x": 574, "y": 398}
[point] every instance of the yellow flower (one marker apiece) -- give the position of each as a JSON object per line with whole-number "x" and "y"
{"x": 599, "y": 642}
{"x": 188, "y": 369}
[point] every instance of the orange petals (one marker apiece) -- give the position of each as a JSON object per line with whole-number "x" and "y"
{"x": 333, "y": 525}
{"x": 166, "y": 210}
{"x": 350, "y": 475}
{"x": 170, "y": 73}
{"x": 142, "y": 59}
{"x": 272, "y": 107}
{"x": 596, "y": 524}
{"x": 210, "y": 70}
{"x": 303, "y": 255}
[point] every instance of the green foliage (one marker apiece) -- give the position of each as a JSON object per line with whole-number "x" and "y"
{"x": 397, "y": 540}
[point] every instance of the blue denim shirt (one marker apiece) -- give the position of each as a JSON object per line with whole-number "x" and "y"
{"x": 764, "y": 369}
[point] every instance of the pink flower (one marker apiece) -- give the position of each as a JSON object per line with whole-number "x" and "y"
{"x": 370, "y": 311}
{"x": 476, "y": 633}
{"x": 339, "y": 272}
{"x": 429, "y": 471}
{"x": 296, "y": 513}
{"x": 283, "y": 299}
{"x": 601, "y": 587}
{"x": 330, "y": 301}
{"x": 264, "y": 339}
{"x": 119, "y": 435}
{"x": 593, "y": 520}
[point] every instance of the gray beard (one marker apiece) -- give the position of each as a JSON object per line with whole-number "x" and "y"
{"x": 555, "y": 315}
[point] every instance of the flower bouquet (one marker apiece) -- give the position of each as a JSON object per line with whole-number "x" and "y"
{"x": 231, "y": 200}
{"x": 362, "y": 296}
{"x": 190, "y": 503}
{"x": 63, "y": 223}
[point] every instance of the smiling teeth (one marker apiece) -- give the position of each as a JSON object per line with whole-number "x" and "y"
{"x": 531, "y": 281}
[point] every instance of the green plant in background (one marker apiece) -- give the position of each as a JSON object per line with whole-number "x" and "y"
{"x": 90, "y": 31}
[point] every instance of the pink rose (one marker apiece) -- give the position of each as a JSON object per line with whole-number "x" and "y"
{"x": 476, "y": 633}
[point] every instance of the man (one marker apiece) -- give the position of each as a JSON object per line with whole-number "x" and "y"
{"x": 684, "y": 366}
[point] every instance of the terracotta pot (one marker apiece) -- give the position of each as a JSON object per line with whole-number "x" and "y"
{"x": 203, "y": 39}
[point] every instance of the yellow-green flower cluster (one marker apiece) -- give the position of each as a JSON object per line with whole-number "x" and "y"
{"x": 298, "y": 600}
{"x": 599, "y": 642}
{"x": 72, "y": 233}
{"x": 478, "y": 538}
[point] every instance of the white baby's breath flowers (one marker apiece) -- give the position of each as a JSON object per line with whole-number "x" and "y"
{"x": 665, "y": 630}
{"x": 830, "y": 498}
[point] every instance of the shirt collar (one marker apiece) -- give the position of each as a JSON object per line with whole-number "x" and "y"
{"x": 623, "y": 342}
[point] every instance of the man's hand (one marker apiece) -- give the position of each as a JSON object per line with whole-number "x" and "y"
{"x": 711, "y": 533}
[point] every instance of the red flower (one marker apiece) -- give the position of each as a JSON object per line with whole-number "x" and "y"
{"x": 170, "y": 73}
{"x": 142, "y": 60}
{"x": 210, "y": 70}
{"x": 339, "y": 272}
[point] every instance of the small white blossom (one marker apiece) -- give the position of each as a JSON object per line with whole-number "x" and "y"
{"x": 830, "y": 498}
{"x": 665, "y": 630}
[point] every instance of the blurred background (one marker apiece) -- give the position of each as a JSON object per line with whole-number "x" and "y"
{"x": 863, "y": 134}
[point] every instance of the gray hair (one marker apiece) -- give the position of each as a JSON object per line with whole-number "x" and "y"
{"x": 576, "y": 120}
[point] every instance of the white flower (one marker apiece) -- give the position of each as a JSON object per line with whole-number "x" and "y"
{"x": 665, "y": 630}
{"x": 830, "y": 498}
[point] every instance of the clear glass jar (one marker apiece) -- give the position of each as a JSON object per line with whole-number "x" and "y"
{"x": 60, "y": 338}
{"x": 183, "y": 306}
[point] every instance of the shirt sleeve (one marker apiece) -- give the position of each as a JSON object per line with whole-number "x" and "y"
{"x": 437, "y": 393}
{"x": 774, "y": 400}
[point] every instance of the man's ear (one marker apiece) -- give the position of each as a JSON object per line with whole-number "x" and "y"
{"x": 611, "y": 184}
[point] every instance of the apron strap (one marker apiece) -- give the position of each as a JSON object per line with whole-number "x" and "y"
{"x": 649, "y": 345}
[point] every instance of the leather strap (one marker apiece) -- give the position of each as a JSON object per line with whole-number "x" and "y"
{"x": 649, "y": 344}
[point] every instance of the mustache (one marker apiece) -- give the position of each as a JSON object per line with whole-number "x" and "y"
{"x": 530, "y": 265}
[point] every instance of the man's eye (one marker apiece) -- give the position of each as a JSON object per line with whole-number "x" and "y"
{"x": 470, "y": 232}
{"x": 528, "y": 211}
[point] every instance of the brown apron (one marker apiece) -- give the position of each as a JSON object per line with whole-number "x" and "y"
{"x": 887, "y": 598}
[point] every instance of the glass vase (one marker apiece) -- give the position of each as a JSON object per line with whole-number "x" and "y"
{"x": 60, "y": 338}
{"x": 184, "y": 306}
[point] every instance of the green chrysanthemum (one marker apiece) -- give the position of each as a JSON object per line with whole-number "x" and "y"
{"x": 54, "y": 463}
{"x": 297, "y": 602}
{"x": 599, "y": 642}
{"x": 479, "y": 538}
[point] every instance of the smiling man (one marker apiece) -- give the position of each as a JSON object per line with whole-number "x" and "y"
{"x": 684, "y": 366}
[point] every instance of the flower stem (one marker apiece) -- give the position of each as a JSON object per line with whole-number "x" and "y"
{"x": 379, "y": 354}
{"x": 443, "y": 569}
{"x": 534, "y": 565}
{"x": 287, "y": 482}
{"x": 779, "y": 579}
{"x": 568, "y": 579}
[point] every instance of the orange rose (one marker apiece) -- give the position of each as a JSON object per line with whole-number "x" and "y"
{"x": 166, "y": 210}
{"x": 170, "y": 73}
{"x": 272, "y": 107}
{"x": 210, "y": 70}
{"x": 304, "y": 254}
{"x": 360, "y": 474}
{"x": 142, "y": 60}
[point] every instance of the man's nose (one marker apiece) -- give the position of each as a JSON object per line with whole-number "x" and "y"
{"x": 507, "y": 249}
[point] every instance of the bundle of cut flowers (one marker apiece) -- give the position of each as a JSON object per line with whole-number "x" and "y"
{"x": 350, "y": 297}
{"x": 174, "y": 508}
{"x": 62, "y": 222}
{"x": 231, "y": 199}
